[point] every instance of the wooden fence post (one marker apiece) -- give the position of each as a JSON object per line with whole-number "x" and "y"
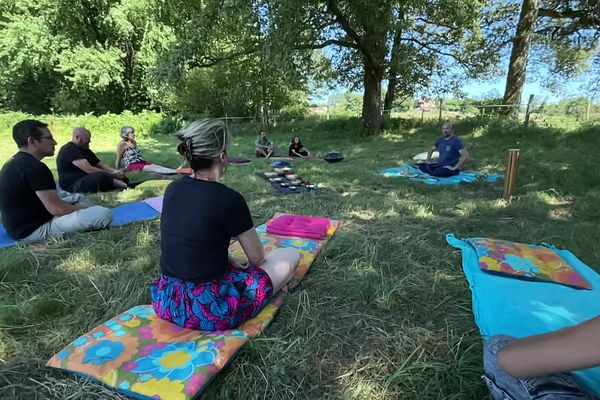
{"x": 510, "y": 176}
{"x": 441, "y": 106}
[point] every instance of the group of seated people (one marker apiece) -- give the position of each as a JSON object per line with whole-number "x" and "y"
{"x": 266, "y": 148}
{"x": 201, "y": 217}
{"x": 34, "y": 210}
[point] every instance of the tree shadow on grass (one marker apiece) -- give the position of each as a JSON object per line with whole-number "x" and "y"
{"x": 55, "y": 292}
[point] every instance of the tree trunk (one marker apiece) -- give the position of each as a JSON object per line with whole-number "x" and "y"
{"x": 518, "y": 57}
{"x": 371, "y": 110}
{"x": 390, "y": 94}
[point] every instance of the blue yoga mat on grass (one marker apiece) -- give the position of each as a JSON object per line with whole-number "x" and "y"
{"x": 133, "y": 212}
{"x": 503, "y": 305}
{"x": 416, "y": 175}
{"x": 122, "y": 215}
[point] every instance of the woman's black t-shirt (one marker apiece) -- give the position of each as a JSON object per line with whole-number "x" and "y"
{"x": 198, "y": 220}
{"x": 298, "y": 148}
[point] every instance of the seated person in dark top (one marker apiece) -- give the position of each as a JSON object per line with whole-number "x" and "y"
{"x": 297, "y": 149}
{"x": 452, "y": 154}
{"x": 30, "y": 206}
{"x": 80, "y": 171}
{"x": 201, "y": 286}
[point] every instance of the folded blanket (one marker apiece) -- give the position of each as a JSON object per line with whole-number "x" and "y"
{"x": 416, "y": 175}
{"x": 140, "y": 355}
{"x": 522, "y": 308}
{"x": 299, "y": 226}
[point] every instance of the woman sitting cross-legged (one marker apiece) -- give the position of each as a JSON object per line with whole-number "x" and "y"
{"x": 130, "y": 156}
{"x": 201, "y": 286}
{"x": 297, "y": 149}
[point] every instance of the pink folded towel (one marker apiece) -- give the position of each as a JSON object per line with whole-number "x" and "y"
{"x": 299, "y": 226}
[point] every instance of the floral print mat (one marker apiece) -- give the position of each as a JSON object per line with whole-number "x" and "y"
{"x": 142, "y": 356}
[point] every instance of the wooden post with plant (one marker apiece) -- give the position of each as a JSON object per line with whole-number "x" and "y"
{"x": 510, "y": 176}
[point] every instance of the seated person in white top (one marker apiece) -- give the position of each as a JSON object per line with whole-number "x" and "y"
{"x": 129, "y": 155}
{"x": 29, "y": 204}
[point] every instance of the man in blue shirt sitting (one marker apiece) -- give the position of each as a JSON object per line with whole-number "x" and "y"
{"x": 452, "y": 154}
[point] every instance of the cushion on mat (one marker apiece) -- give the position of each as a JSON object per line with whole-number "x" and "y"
{"x": 299, "y": 226}
{"x": 520, "y": 308}
{"x": 526, "y": 261}
{"x": 142, "y": 356}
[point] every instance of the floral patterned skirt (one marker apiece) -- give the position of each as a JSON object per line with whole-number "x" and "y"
{"x": 216, "y": 305}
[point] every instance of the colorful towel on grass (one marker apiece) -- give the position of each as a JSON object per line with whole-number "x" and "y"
{"x": 522, "y": 308}
{"x": 416, "y": 175}
{"x": 139, "y": 355}
{"x": 122, "y": 215}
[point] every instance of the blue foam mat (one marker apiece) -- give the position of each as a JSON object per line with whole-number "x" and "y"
{"x": 504, "y": 305}
{"x": 122, "y": 215}
{"x": 133, "y": 212}
{"x": 5, "y": 240}
{"x": 416, "y": 175}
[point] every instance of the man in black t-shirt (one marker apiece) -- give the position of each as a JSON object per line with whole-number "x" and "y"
{"x": 29, "y": 204}
{"x": 80, "y": 171}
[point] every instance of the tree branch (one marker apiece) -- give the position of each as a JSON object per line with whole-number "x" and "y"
{"x": 343, "y": 21}
{"x": 330, "y": 42}
{"x": 442, "y": 53}
{"x": 585, "y": 17}
{"x": 207, "y": 61}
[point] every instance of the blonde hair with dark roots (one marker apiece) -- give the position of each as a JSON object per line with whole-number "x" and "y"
{"x": 204, "y": 140}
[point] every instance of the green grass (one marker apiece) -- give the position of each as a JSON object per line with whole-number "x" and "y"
{"x": 385, "y": 311}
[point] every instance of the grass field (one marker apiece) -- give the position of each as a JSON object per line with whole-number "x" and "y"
{"x": 385, "y": 311}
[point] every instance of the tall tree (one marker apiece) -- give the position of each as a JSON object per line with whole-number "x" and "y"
{"x": 518, "y": 57}
{"x": 364, "y": 33}
{"x": 566, "y": 32}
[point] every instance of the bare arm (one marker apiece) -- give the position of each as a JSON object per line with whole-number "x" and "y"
{"x": 54, "y": 204}
{"x": 428, "y": 161}
{"x": 568, "y": 349}
{"x": 108, "y": 168}
{"x": 86, "y": 167}
{"x": 464, "y": 156}
{"x": 120, "y": 150}
{"x": 252, "y": 246}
